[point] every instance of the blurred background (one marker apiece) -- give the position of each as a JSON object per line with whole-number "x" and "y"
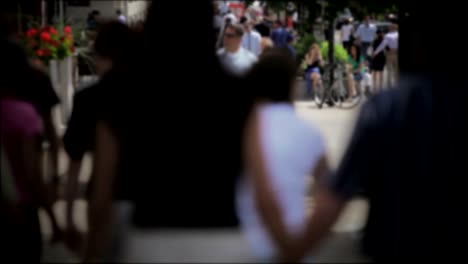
{"x": 331, "y": 104}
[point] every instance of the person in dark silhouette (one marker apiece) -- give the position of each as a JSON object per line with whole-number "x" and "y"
{"x": 21, "y": 129}
{"x": 112, "y": 43}
{"x": 161, "y": 185}
{"x": 36, "y": 89}
{"x": 398, "y": 158}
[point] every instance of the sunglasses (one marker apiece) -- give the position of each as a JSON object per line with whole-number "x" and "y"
{"x": 230, "y": 35}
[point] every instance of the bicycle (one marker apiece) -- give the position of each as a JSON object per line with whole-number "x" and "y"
{"x": 336, "y": 93}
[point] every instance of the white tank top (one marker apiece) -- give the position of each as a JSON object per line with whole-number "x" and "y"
{"x": 292, "y": 149}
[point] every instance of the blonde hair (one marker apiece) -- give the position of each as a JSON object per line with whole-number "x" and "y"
{"x": 314, "y": 46}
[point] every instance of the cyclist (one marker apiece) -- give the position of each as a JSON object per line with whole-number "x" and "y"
{"x": 314, "y": 62}
{"x": 355, "y": 69}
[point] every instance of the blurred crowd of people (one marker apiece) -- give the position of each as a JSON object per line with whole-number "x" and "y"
{"x": 155, "y": 168}
{"x": 241, "y": 40}
{"x": 378, "y": 49}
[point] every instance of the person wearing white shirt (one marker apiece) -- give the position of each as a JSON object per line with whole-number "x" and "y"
{"x": 235, "y": 59}
{"x": 366, "y": 34}
{"x": 390, "y": 41}
{"x": 347, "y": 31}
{"x": 252, "y": 41}
{"x": 281, "y": 154}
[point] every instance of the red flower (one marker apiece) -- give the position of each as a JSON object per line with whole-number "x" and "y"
{"x": 46, "y": 36}
{"x": 67, "y": 30}
{"x": 47, "y": 52}
{"x": 32, "y": 32}
{"x": 55, "y": 43}
{"x": 40, "y": 53}
{"x": 53, "y": 31}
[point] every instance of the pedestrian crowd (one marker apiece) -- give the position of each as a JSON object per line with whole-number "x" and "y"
{"x": 377, "y": 48}
{"x": 253, "y": 34}
{"x": 243, "y": 161}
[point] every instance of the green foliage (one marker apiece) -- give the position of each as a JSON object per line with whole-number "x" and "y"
{"x": 303, "y": 45}
{"x": 341, "y": 54}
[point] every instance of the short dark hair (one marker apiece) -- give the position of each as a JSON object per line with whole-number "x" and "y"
{"x": 238, "y": 30}
{"x": 272, "y": 78}
{"x": 118, "y": 12}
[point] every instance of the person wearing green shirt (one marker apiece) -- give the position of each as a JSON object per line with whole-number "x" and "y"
{"x": 355, "y": 69}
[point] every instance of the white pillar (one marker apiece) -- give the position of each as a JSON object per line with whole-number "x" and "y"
{"x": 61, "y": 17}
{"x": 43, "y": 12}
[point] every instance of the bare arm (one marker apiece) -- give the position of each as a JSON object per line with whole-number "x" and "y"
{"x": 321, "y": 62}
{"x": 266, "y": 201}
{"x": 328, "y": 209}
{"x": 381, "y": 47}
{"x": 325, "y": 214}
{"x": 105, "y": 169}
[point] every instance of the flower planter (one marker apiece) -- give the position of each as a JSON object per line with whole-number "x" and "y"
{"x": 61, "y": 76}
{"x": 46, "y": 44}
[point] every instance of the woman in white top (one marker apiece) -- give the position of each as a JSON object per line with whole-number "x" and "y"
{"x": 281, "y": 151}
{"x": 347, "y": 32}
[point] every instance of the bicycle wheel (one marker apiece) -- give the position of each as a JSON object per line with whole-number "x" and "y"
{"x": 332, "y": 91}
{"x": 349, "y": 103}
{"x": 320, "y": 93}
